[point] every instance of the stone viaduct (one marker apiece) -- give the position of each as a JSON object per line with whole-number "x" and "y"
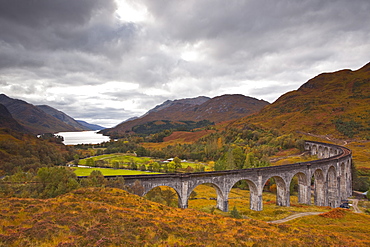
{"x": 328, "y": 178}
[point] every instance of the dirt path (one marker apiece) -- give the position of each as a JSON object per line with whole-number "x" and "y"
{"x": 294, "y": 216}
{"x": 355, "y": 205}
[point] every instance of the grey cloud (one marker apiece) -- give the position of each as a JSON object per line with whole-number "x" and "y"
{"x": 27, "y": 89}
{"x": 141, "y": 100}
{"x": 250, "y": 29}
{"x": 43, "y": 13}
{"x": 61, "y": 43}
{"x": 3, "y": 82}
{"x": 102, "y": 114}
{"x": 68, "y": 26}
{"x": 77, "y": 109}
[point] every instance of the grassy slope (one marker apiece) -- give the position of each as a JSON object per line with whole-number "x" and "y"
{"x": 112, "y": 217}
{"x": 118, "y": 157}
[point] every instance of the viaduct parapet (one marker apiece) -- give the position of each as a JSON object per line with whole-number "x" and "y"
{"x": 331, "y": 175}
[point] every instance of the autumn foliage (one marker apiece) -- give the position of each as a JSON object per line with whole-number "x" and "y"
{"x": 113, "y": 217}
{"x": 336, "y": 213}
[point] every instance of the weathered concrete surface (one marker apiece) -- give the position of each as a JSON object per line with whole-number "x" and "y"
{"x": 331, "y": 173}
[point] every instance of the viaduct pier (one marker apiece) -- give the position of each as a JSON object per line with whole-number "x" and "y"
{"x": 331, "y": 176}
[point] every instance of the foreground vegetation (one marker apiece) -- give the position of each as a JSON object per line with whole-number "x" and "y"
{"x": 113, "y": 217}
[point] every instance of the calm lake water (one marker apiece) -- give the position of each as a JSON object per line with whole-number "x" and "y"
{"x": 84, "y": 137}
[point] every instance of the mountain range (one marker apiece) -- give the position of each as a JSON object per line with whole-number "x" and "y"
{"x": 217, "y": 109}
{"x": 90, "y": 126}
{"x": 22, "y": 116}
{"x": 62, "y": 117}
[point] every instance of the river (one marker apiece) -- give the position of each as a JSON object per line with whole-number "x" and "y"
{"x": 82, "y": 137}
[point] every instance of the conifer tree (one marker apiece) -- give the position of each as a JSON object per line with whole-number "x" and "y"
{"x": 235, "y": 213}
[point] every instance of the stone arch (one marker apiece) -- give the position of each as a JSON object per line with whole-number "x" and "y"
{"x": 307, "y": 146}
{"x": 304, "y": 188}
{"x": 333, "y": 152}
{"x": 255, "y": 199}
{"x": 326, "y": 153}
{"x": 314, "y": 150}
{"x": 149, "y": 188}
{"x": 348, "y": 178}
{"x": 179, "y": 199}
{"x": 222, "y": 199}
{"x": 282, "y": 191}
{"x": 343, "y": 182}
{"x": 332, "y": 187}
{"x": 319, "y": 188}
{"x": 320, "y": 152}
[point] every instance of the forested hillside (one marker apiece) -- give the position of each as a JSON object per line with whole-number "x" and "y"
{"x": 24, "y": 152}
{"x": 217, "y": 109}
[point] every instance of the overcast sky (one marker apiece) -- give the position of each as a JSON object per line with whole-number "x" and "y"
{"x": 104, "y": 61}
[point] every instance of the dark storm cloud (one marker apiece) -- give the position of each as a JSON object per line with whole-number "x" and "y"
{"x": 44, "y": 12}
{"x": 35, "y": 33}
{"x": 261, "y": 48}
{"x": 43, "y": 24}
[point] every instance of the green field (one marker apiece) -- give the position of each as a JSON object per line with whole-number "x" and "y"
{"x": 129, "y": 161}
{"x": 84, "y": 171}
{"x": 120, "y": 158}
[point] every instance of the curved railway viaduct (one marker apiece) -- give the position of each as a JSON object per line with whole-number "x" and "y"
{"x": 331, "y": 174}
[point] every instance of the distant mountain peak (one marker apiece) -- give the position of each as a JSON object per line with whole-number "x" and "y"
{"x": 218, "y": 109}
{"x": 90, "y": 126}
{"x": 39, "y": 119}
{"x": 189, "y": 101}
{"x": 62, "y": 117}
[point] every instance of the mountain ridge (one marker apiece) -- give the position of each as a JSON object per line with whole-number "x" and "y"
{"x": 335, "y": 103}
{"x": 7, "y": 120}
{"x": 37, "y": 119}
{"x": 62, "y": 117}
{"x": 32, "y": 118}
{"x": 218, "y": 109}
{"x": 90, "y": 126}
{"x": 191, "y": 101}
